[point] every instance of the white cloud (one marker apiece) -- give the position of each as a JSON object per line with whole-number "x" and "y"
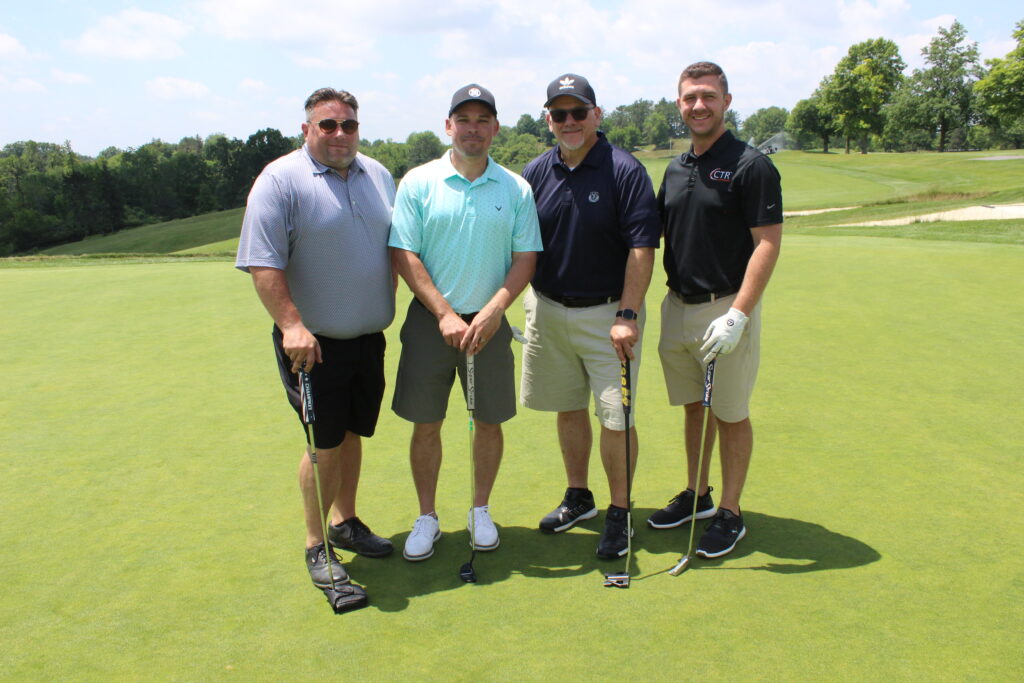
{"x": 69, "y": 77}
{"x": 20, "y": 85}
{"x": 306, "y": 61}
{"x": 133, "y": 34}
{"x": 169, "y": 88}
{"x": 11, "y": 47}
{"x": 253, "y": 86}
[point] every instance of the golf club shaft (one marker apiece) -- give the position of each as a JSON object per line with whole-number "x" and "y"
{"x": 709, "y": 382}
{"x": 627, "y": 400}
{"x": 470, "y": 407}
{"x": 308, "y": 418}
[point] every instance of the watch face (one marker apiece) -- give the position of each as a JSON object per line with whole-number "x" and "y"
{"x": 627, "y": 314}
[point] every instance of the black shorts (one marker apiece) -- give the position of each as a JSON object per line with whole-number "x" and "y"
{"x": 347, "y": 387}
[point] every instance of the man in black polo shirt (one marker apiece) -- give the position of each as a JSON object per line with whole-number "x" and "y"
{"x": 585, "y": 313}
{"x": 721, "y": 207}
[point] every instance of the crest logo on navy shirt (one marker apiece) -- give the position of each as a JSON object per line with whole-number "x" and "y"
{"x": 721, "y": 176}
{"x": 594, "y": 197}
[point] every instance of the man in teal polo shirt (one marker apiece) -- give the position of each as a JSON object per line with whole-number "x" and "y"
{"x": 464, "y": 237}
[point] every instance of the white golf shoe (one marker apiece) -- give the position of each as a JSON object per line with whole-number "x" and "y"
{"x": 420, "y": 543}
{"x": 485, "y": 534}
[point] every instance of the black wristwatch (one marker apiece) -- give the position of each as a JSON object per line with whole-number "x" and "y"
{"x": 626, "y": 314}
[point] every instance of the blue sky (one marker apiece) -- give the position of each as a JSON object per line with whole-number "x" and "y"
{"x": 112, "y": 72}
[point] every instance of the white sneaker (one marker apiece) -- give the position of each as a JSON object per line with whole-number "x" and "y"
{"x": 420, "y": 543}
{"x": 485, "y": 534}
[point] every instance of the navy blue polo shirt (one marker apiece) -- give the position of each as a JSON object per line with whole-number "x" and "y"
{"x": 708, "y": 205}
{"x": 590, "y": 218}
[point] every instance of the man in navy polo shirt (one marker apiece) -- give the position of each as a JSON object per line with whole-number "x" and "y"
{"x": 721, "y": 206}
{"x": 585, "y": 312}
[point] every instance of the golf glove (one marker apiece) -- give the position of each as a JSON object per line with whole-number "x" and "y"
{"x": 724, "y": 333}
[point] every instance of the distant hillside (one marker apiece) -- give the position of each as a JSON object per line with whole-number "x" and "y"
{"x": 210, "y": 233}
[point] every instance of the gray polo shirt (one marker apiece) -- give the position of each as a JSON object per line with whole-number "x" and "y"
{"x": 330, "y": 237}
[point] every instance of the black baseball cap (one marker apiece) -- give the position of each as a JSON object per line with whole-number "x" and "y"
{"x": 572, "y": 85}
{"x": 472, "y": 93}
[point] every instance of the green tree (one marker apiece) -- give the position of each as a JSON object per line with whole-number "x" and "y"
{"x": 423, "y": 147}
{"x": 810, "y": 121}
{"x": 668, "y": 109}
{"x": 627, "y": 137}
{"x": 908, "y": 123}
{"x": 514, "y": 150}
{"x": 764, "y": 123}
{"x": 657, "y": 131}
{"x": 732, "y": 121}
{"x": 1001, "y": 91}
{"x": 392, "y": 154}
{"x": 946, "y": 85}
{"x": 863, "y": 82}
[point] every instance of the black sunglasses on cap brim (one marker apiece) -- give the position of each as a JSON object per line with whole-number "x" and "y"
{"x": 328, "y": 126}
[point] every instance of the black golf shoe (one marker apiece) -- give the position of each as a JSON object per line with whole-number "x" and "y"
{"x": 316, "y": 563}
{"x": 722, "y": 534}
{"x": 352, "y": 534}
{"x": 577, "y": 506}
{"x": 680, "y": 510}
{"x": 614, "y": 542}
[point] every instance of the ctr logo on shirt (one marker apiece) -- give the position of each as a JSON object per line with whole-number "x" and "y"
{"x": 721, "y": 176}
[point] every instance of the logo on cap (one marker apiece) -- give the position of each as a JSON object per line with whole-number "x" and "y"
{"x": 566, "y": 83}
{"x": 474, "y": 92}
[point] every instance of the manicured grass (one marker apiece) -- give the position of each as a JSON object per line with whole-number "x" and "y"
{"x": 162, "y": 238}
{"x": 152, "y": 522}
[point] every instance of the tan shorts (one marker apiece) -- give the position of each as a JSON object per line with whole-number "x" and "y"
{"x": 569, "y": 357}
{"x": 682, "y": 334}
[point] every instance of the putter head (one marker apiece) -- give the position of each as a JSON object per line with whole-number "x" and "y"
{"x": 467, "y": 573}
{"x": 681, "y": 566}
{"x": 616, "y": 580}
{"x": 345, "y": 598}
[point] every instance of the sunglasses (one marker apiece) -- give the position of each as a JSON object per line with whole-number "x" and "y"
{"x": 328, "y": 126}
{"x": 578, "y": 114}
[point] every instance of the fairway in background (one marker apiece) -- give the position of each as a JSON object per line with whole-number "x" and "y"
{"x": 880, "y": 186}
{"x": 152, "y": 520}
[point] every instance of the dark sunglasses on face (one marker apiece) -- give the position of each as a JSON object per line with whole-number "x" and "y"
{"x": 328, "y": 126}
{"x": 578, "y": 114}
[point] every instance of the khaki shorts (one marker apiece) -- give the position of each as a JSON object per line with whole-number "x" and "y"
{"x": 569, "y": 357}
{"x": 427, "y": 367}
{"x": 682, "y": 334}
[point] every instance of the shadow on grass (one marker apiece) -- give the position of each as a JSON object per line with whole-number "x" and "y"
{"x": 392, "y": 582}
{"x": 810, "y": 547}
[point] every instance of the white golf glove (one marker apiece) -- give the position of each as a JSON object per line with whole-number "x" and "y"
{"x": 724, "y": 333}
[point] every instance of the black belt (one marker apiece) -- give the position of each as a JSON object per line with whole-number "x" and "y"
{"x": 580, "y": 301}
{"x": 705, "y": 297}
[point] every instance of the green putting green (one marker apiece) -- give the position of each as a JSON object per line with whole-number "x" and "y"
{"x": 151, "y": 517}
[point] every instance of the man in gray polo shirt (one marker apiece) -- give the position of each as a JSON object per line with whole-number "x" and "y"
{"x": 315, "y": 240}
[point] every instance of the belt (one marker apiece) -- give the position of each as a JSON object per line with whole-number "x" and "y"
{"x": 704, "y": 297}
{"x": 579, "y": 301}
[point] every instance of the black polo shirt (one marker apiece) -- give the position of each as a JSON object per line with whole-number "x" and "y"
{"x": 590, "y": 218}
{"x": 708, "y": 205}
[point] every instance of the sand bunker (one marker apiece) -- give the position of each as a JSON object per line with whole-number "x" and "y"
{"x": 970, "y": 213}
{"x": 811, "y": 212}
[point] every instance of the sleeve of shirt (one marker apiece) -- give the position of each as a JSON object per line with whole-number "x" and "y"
{"x": 264, "y": 238}
{"x": 762, "y": 193}
{"x": 638, "y": 208}
{"x": 406, "y": 220}
{"x": 526, "y": 234}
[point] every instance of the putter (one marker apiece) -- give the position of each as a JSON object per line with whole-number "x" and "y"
{"x": 709, "y": 382}
{"x": 621, "y": 580}
{"x": 466, "y": 571}
{"x": 343, "y": 598}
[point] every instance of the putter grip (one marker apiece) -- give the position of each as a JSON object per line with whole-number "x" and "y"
{"x": 306, "y": 396}
{"x": 626, "y": 389}
{"x": 470, "y": 382}
{"x": 709, "y": 383}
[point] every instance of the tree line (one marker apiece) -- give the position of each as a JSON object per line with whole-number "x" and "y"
{"x": 51, "y": 195}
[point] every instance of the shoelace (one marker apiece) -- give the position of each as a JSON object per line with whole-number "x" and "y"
{"x": 420, "y": 527}
{"x": 358, "y": 528}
